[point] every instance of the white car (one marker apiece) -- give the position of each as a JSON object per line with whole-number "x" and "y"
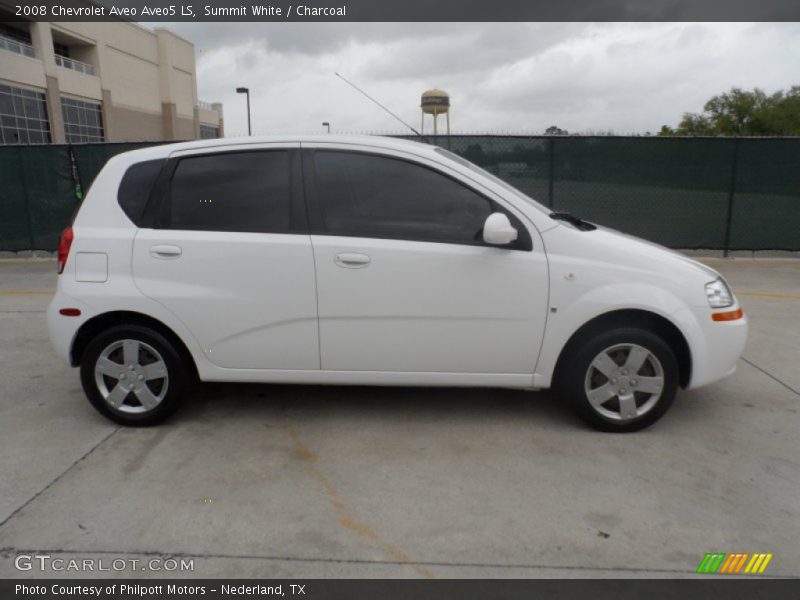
{"x": 367, "y": 260}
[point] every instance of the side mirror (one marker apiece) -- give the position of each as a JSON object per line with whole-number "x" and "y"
{"x": 497, "y": 230}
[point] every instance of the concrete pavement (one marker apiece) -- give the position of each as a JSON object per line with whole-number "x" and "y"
{"x": 305, "y": 481}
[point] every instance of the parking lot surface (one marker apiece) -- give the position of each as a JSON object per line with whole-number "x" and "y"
{"x": 307, "y": 481}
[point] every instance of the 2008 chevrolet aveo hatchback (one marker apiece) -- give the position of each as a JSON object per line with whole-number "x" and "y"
{"x": 364, "y": 260}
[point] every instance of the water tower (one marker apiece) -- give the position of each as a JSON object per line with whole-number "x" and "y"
{"x": 435, "y": 102}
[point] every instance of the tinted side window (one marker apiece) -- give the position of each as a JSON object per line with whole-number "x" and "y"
{"x": 236, "y": 191}
{"x": 135, "y": 188}
{"x": 373, "y": 196}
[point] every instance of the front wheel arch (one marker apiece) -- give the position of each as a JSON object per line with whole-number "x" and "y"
{"x": 96, "y": 325}
{"x": 633, "y": 317}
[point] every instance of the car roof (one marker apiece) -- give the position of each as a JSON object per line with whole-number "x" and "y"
{"x": 392, "y": 143}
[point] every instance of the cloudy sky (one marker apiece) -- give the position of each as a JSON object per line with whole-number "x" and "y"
{"x": 507, "y": 77}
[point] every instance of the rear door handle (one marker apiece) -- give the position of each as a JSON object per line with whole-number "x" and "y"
{"x": 165, "y": 251}
{"x": 352, "y": 260}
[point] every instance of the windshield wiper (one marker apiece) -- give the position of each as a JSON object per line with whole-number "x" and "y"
{"x": 573, "y": 220}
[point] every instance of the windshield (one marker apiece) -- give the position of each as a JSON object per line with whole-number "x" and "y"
{"x": 504, "y": 184}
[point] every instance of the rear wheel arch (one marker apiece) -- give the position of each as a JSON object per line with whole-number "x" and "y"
{"x": 96, "y": 325}
{"x": 650, "y": 321}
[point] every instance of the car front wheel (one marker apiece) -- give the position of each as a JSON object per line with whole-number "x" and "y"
{"x": 133, "y": 375}
{"x": 622, "y": 380}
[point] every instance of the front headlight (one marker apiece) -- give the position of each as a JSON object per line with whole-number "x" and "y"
{"x": 718, "y": 294}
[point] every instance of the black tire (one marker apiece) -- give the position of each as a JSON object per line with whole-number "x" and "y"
{"x": 177, "y": 379}
{"x": 574, "y": 376}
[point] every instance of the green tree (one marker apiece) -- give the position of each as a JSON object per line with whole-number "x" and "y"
{"x": 741, "y": 112}
{"x": 786, "y": 115}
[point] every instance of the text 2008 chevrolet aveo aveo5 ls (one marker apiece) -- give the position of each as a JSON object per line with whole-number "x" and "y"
{"x": 349, "y": 260}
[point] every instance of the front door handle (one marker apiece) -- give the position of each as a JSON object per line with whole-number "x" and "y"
{"x": 352, "y": 260}
{"x": 165, "y": 251}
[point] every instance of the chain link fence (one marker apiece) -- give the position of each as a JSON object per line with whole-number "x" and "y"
{"x": 693, "y": 193}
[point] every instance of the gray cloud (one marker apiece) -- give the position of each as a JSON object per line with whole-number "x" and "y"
{"x": 626, "y": 77}
{"x": 302, "y": 38}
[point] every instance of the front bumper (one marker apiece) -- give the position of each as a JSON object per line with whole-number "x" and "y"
{"x": 716, "y": 346}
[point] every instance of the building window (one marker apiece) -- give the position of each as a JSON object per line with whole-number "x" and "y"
{"x": 61, "y": 49}
{"x": 23, "y": 117}
{"x": 16, "y": 40}
{"x": 83, "y": 121}
{"x": 20, "y": 35}
{"x": 208, "y": 132}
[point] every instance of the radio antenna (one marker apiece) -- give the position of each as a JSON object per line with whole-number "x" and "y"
{"x": 358, "y": 89}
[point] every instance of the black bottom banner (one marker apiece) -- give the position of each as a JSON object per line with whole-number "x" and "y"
{"x": 213, "y": 589}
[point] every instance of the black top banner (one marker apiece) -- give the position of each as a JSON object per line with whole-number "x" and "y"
{"x": 400, "y": 10}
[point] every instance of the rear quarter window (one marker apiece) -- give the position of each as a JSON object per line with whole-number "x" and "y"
{"x": 247, "y": 192}
{"x": 136, "y": 186}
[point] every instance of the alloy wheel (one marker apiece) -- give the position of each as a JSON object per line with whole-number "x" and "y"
{"x": 624, "y": 382}
{"x": 131, "y": 376}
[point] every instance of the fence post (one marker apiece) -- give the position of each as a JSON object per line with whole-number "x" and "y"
{"x": 552, "y": 144}
{"x": 26, "y": 198}
{"x": 731, "y": 192}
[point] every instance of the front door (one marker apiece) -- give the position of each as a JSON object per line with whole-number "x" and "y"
{"x": 405, "y": 283}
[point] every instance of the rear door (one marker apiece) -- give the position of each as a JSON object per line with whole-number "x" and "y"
{"x": 230, "y": 256}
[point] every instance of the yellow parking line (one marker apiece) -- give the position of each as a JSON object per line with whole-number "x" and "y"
{"x": 770, "y": 295}
{"x": 26, "y": 292}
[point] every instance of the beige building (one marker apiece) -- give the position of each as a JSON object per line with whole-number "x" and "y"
{"x": 89, "y": 82}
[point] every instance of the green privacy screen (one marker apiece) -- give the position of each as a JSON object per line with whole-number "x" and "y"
{"x": 766, "y": 207}
{"x": 37, "y": 196}
{"x": 714, "y": 193}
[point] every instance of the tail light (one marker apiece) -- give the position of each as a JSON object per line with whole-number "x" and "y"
{"x": 63, "y": 248}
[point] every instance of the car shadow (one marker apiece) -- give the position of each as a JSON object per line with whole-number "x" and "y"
{"x": 263, "y": 401}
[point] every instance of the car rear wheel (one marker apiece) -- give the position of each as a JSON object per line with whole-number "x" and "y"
{"x": 133, "y": 375}
{"x": 622, "y": 380}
